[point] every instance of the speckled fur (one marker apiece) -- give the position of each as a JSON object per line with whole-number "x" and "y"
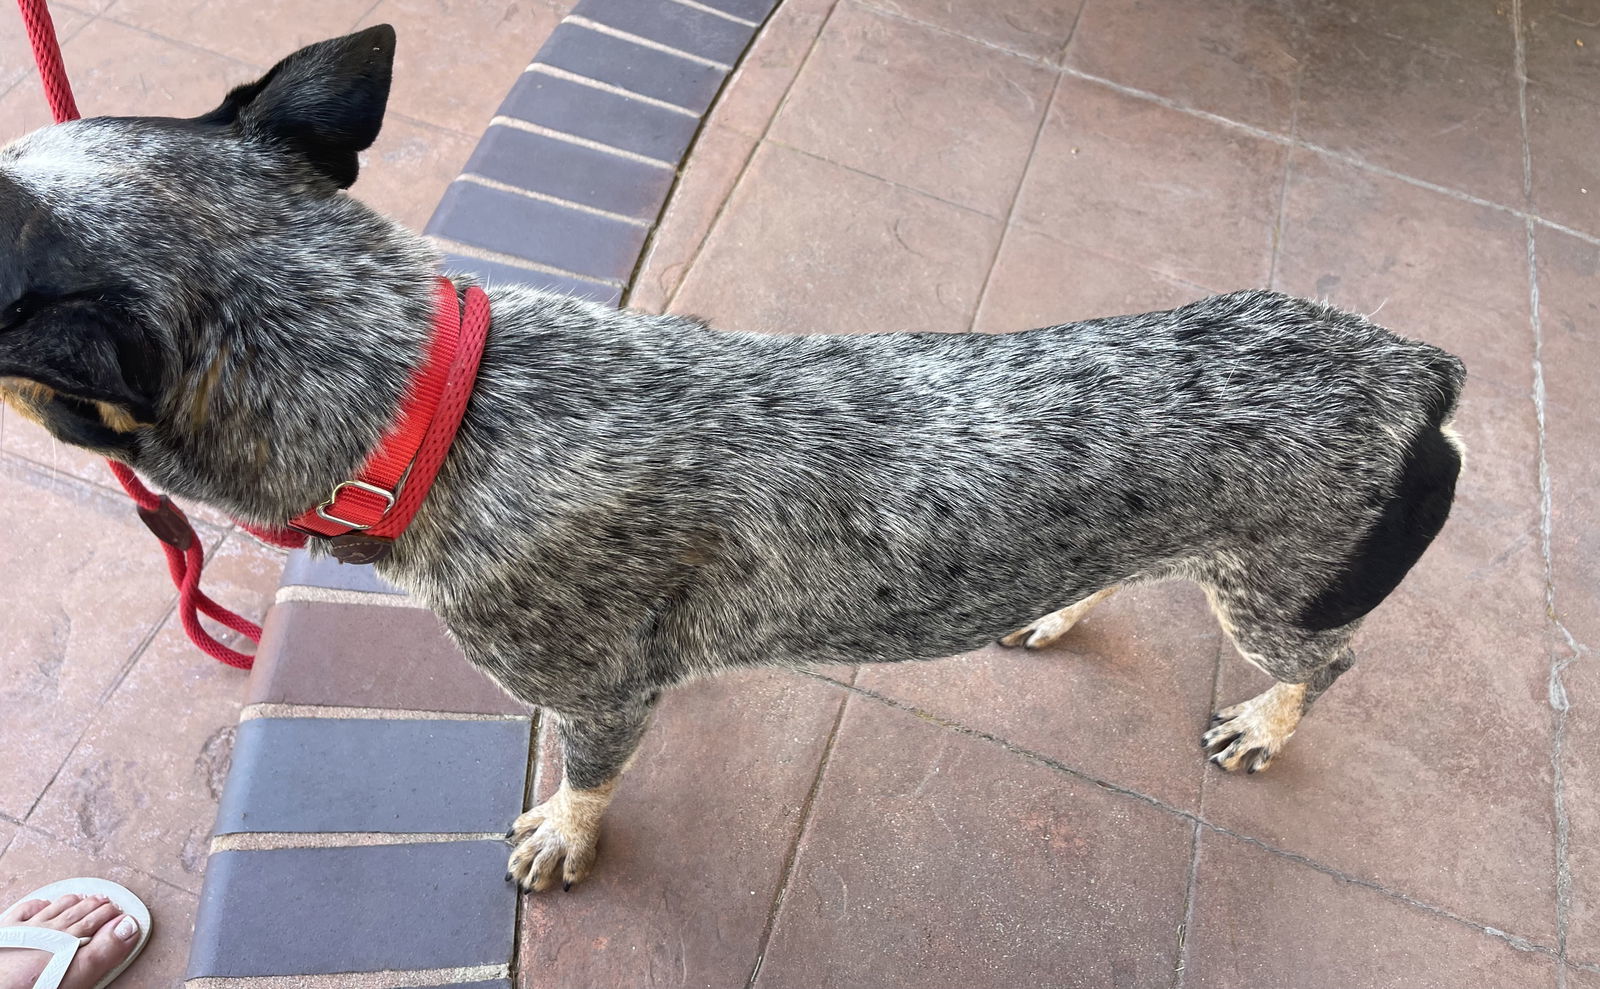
{"x": 636, "y": 500}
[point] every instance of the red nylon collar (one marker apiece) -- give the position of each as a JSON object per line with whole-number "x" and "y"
{"x": 363, "y": 516}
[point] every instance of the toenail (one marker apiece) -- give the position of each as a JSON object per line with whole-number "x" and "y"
{"x": 127, "y": 929}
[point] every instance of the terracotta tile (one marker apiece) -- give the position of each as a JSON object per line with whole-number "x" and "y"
{"x": 1587, "y": 977}
{"x": 1433, "y": 753}
{"x": 1040, "y": 281}
{"x": 707, "y": 178}
{"x": 16, "y": 56}
{"x": 405, "y": 173}
{"x": 1305, "y": 925}
{"x": 1124, "y": 697}
{"x": 1037, "y": 28}
{"x": 1125, "y": 177}
{"x": 1568, "y": 309}
{"x": 259, "y": 34}
{"x": 120, "y": 70}
{"x": 34, "y": 860}
{"x": 369, "y": 656}
{"x": 1015, "y": 874}
{"x": 142, "y": 785}
{"x": 762, "y": 79}
{"x": 947, "y": 116}
{"x": 1422, "y": 112}
{"x": 698, "y": 830}
{"x": 788, "y": 249}
{"x": 1562, "y": 41}
{"x": 1474, "y": 28}
{"x": 1422, "y": 263}
{"x": 28, "y": 440}
{"x": 1238, "y": 59}
{"x": 457, "y": 58}
{"x": 1581, "y": 770}
{"x": 94, "y": 589}
{"x": 1563, "y": 130}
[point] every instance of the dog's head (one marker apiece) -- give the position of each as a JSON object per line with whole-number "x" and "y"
{"x": 167, "y": 285}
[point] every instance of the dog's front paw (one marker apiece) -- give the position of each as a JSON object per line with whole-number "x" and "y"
{"x": 557, "y": 838}
{"x": 1250, "y": 735}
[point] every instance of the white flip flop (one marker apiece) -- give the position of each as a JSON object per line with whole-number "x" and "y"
{"x": 63, "y": 946}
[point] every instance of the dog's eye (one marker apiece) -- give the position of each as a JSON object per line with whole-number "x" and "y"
{"x": 16, "y": 312}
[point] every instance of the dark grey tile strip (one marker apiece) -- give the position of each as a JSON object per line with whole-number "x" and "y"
{"x": 460, "y": 977}
{"x": 612, "y": 119}
{"x": 375, "y": 775}
{"x": 572, "y": 172}
{"x": 750, "y": 10}
{"x": 319, "y": 911}
{"x": 492, "y": 273}
{"x": 584, "y": 244}
{"x": 675, "y": 25}
{"x": 646, "y": 71}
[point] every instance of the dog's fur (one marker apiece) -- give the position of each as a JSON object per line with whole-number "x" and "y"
{"x": 635, "y": 500}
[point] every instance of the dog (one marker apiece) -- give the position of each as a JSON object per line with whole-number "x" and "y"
{"x": 633, "y": 500}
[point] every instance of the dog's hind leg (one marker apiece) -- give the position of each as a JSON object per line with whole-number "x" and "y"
{"x": 560, "y": 836}
{"x": 1305, "y": 663}
{"x": 1045, "y": 631}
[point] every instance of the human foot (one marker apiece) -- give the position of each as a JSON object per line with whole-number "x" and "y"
{"x": 112, "y": 937}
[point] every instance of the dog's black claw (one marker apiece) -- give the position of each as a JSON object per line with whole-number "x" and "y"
{"x": 511, "y": 833}
{"x": 566, "y": 887}
{"x": 508, "y": 877}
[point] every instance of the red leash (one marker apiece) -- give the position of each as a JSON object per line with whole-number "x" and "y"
{"x": 363, "y": 516}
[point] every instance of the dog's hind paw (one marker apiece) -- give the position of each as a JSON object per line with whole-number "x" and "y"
{"x": 557, "y": 840}
{"x": 1045, "y": 631}
{"x": 1249, "y": 736}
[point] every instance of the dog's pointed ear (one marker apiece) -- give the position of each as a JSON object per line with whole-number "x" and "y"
{"x": 325, "y": 102}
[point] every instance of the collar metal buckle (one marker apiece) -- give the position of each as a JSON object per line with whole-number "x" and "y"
{"x": 388, "y": 497}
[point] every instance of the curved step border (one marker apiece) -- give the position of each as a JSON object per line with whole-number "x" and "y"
{"x": 358, "y": 839}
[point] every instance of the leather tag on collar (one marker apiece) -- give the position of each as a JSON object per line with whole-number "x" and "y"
{"x": 359, "y": 548}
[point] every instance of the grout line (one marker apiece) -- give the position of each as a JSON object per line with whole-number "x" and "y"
{"x": 735, "y": 18}
{"x": 889, "y": 182}
{"x": 738, "y": 180}
{"x": 807, "y": 807}
{"x": 530, "y": 793}
{"x": 869, "y": 5}
{"x": 1296, "y": 142}
{"x": 271, "y": 841}
{"x": 1516, "y": 941}
{"x": 1187, "y": 922}
{"x": 506, "y": 187}
{"x": 1288, "y": 170}
{"x": 309, "y": 594}
{"x": 1016, "y": 197}
{"x": 1520, "y": 61}
{"x": 328, "y": 711}
{"x": 106, "y": 859}
{"x": 386, "y": 979}
{"x": 515, "y": 123}
{"x": 253, "y": 67}
{"x": 484, "y": 254}
{"x": 559, "y": 73}
{"x": 1072, "y": 32}
{"x": 643, "y": 42}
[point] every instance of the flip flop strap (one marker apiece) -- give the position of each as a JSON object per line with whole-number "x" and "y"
{"x": 61, "y": 945}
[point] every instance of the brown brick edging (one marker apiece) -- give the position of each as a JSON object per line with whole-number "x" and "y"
{"x": 356, "y": 840}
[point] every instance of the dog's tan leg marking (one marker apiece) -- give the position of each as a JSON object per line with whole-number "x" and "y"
{"x": 1053, "y": 626}
{"x": 116, "y": 417}
{"x": 1250, "y": 735}
{"x": 564, "y": 829}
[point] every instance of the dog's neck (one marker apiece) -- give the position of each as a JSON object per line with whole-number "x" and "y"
{"x": 305, "y": 376}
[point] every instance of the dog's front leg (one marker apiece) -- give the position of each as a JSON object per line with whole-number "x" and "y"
{"x": 561, "y": 834}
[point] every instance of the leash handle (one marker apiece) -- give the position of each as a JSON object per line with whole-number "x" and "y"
{"x": 185, "y": 561}
{"x": 47, "y": 53}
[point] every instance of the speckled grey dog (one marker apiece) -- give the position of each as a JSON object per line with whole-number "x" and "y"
{"x": 635, "y": 500}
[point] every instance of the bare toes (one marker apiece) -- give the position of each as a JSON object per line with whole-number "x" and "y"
{"x": 20, "y": 912}
{"x": 109, "y": 947}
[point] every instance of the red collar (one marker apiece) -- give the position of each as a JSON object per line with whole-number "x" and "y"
{"x": 363, "y": 516}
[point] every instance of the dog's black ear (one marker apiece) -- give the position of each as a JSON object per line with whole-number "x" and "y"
{"x": 81, "y": 366}
{"x": 325, "y": 102}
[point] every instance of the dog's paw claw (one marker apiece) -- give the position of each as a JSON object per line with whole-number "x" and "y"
{"x": 553, "y": 845}
{"x": 1249, "y": 736}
